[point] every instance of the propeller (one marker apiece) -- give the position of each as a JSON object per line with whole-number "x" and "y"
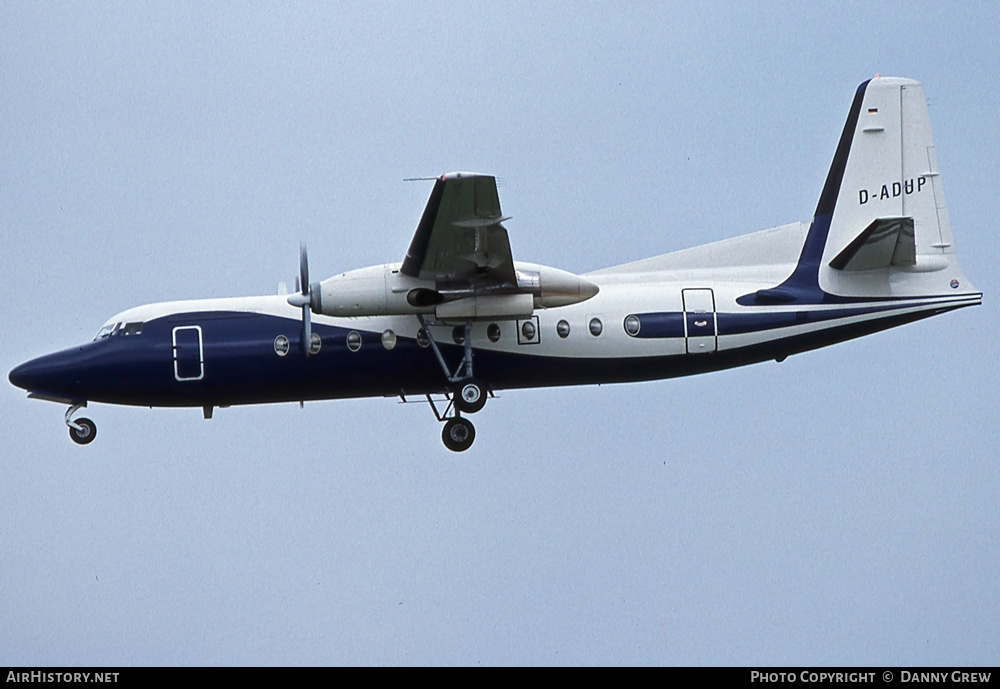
{"x": 304, "y": 297}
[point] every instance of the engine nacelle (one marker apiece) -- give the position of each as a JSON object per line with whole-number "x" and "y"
{"x": 373, "y": 291}
{"x": 552, "y": 287}
{"x": 384, "y": 291}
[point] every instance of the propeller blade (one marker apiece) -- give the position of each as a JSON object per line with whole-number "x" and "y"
{"x": 306, "y": 329}
{"x": 304, "y": 268}
{"x": 306, "y": 298}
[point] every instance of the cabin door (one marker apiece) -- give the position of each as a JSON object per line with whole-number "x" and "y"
{"x": 700, "y": 325}
{"x": 189, "y": 361}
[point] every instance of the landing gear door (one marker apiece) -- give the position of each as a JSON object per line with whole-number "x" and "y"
{"x": 700, "y": 325}
{"x": 189, "y": 360}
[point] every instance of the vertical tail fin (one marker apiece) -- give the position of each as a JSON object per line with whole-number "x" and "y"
{"x": 881, "y": 227}
{"x": 889, "y": 229}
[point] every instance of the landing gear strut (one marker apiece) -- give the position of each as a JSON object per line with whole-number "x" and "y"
{"x": 466, "y": 394}
{"x": 82, "y": 431}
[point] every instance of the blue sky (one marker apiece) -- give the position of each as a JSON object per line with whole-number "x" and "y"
{"x": 838, "y": 508}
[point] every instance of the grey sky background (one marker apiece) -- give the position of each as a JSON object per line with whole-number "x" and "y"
{"x": 838, "y": 508}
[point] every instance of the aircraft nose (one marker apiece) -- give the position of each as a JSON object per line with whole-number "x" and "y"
{"x": 25, "y": 375}
{"x": 52, "y": 373}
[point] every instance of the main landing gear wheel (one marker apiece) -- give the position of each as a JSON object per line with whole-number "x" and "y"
{"x": 470, "y": 396}
{"x": 458, "y": 434}
{"x": 86, "y": 432}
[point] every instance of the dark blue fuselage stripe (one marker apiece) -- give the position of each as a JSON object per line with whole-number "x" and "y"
{"x": 661, "y": 324}
{"x": 670, "y": 324}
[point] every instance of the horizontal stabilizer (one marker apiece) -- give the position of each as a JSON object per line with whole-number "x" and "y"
{"x": 886, "y": 242}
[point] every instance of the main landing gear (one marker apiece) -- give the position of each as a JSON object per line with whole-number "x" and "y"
{"x": 470, "y": 396}
{"x": 458, "y": 432}
{"x": 82, "y": 431}
{"x": 466, "y": 394}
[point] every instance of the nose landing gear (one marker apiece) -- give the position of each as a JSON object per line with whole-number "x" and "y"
{"x": 81, "y": 431}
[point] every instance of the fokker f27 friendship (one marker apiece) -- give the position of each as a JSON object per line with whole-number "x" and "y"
{"x": 459, "y": 317}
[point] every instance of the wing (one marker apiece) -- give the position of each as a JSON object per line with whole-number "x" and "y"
{"x": 459, "y": 238}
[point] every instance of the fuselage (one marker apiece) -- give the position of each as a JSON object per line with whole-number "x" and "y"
{"x": 642, "y": 325}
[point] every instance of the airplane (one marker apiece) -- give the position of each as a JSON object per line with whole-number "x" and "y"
{"x": 458, "y": 319}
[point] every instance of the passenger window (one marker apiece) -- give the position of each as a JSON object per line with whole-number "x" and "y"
{"x": 632, "y": 325}
{"x": 354, "y": 340}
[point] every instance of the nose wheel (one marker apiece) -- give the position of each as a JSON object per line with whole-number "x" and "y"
{"x": 81, "y": 431}
{"x": 84, "y": 433}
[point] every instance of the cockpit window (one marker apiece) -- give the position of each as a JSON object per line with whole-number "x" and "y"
{"x": 116, "y": 329}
